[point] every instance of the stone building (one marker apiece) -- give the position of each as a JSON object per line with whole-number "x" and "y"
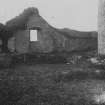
{"x": 46, "y": 38}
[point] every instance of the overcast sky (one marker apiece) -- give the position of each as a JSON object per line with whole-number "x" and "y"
{"x": 75, "y": 14}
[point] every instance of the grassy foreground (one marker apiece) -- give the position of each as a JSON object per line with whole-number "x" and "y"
{"x": 51, "y": 84}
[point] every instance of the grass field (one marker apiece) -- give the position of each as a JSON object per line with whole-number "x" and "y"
{"x": 51, "y": 84}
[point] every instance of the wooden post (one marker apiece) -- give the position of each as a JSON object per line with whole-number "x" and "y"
{"x": 24, "y": 58}
{"x": 101, "y": 27}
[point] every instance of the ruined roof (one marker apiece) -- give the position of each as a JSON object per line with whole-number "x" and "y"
{"x": 19, "y": 22}
{"x": 69, "y": 33}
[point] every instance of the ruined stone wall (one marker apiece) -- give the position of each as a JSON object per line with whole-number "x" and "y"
{"x": 51, "y": 39}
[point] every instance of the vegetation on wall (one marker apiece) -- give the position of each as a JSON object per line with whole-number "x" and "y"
{"x": 5, "y": 34}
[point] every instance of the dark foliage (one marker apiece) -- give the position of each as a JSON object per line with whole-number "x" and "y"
{"x": 5, "y": 34}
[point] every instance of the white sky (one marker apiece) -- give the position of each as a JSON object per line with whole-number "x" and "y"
{"x": 75, "y": 14}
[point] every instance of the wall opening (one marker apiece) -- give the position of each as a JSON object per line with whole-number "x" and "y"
{"x": 33, "y": 35}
